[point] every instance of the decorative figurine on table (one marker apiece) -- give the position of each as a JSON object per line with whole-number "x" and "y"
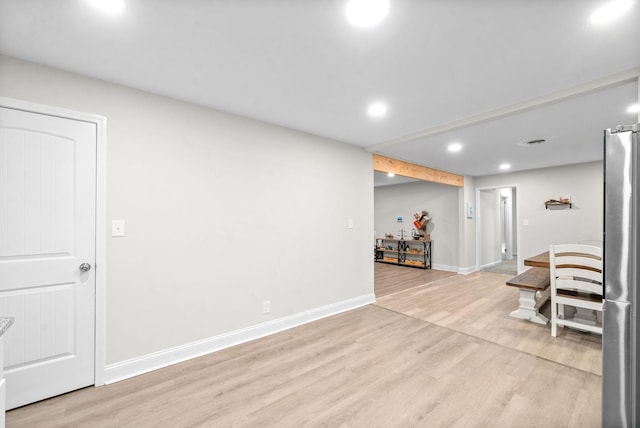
{"x": 420, "y": 223}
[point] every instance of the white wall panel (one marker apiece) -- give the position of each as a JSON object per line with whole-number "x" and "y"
{"x": 36, "y": 216}
{"x": 14, "y": 200}
{"x": 222, "y": 213}
{"x": 37, "y": 312}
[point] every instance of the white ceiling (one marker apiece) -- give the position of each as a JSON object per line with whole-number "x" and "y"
{"x": 300, "y": 64}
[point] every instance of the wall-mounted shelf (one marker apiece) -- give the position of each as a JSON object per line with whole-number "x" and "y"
{"x": 548, "y": 204}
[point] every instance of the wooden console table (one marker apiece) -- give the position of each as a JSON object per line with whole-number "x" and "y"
{"x": 403, "y": 252}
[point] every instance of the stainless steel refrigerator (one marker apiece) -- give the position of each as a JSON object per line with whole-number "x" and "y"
{"x": 620, "y": 343}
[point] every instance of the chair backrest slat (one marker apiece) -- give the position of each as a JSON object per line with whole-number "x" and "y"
{"x": 578, "y": 248}
{"x": 584, "y": 286}
{"x": 576, "y": 260}
{"x": 577, "y": 267}
{"x": 580, "y": 273}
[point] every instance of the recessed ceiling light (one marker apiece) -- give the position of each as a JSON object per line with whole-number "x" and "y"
{"x": 366, "y": 13}
{"x": 390, "y": 174}
{"x": 454, "y": 147}
{"x": 610, "y": 11}
{"x": 377, "y": 110}
{"x": 634, "y": 108}
{"x": 504, "y": 166}
{"x": 109, "y": 6}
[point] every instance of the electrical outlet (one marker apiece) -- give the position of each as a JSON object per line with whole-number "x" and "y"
{"x": 266, "y": 307}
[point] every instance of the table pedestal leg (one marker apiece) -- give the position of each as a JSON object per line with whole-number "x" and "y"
{"x": 530, "y": 303}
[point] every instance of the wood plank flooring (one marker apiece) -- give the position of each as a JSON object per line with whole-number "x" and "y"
{"x": 390, "y": 279}
{"x": 479, "y": 304}
{"x": 382, "y": 365}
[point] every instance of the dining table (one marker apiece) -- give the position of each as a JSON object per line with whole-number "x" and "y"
{"x": 539, "y": 260}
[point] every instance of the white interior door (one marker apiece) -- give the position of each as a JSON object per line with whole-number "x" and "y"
{"x": 47, "y": 230}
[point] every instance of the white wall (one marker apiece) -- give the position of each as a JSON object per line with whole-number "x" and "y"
{"x": 583, "y": 182}
{"x": 222, "y": 213}
{"x": 490, "y": 231}
{"x": 467, "y": 227}
{"x": 440, "y": 200}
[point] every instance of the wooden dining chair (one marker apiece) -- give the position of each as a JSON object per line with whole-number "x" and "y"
{"x": 576, "y": 280}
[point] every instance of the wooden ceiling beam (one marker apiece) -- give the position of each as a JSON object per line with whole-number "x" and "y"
{"x": 419, "y": 172}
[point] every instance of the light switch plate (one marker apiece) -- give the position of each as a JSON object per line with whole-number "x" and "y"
{"x": 117, "y": 227}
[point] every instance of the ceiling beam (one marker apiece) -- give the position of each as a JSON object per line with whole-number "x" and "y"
{"x": 419, "y": 172}
{"x": 530, "y": 104}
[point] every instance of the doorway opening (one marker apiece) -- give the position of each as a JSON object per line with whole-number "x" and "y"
{"x": 398, "y": 204}
{"x": 497, "y": 234}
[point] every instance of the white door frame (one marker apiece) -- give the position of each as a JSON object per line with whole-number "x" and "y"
{"x": 479, "y": 215}
{"x": 506, "y": 217}
{"x": 101, "y": 182}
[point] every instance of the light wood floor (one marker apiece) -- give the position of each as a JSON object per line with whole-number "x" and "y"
{"x": 479, "y": 304}
{"x": 393, "y": 364}
{"x": 390, "y": 279}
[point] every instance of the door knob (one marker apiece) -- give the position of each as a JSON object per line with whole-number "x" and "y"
{"x": 85, "y": 267}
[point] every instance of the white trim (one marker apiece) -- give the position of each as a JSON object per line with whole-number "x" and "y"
{"x": 157, "y": 360}
{"x": 101, "y": 251}
{"x": 457, "y": 269}
{"x": 101, "y": 209}
{"x": 448, "y": 268}
{"x": 467, "y": 270}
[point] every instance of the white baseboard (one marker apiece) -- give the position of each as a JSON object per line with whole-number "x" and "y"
{"x": 146, "y": 363}
{"x": 445, "y": 267}
{"x": 467, "y": 270}
{"x": 457, "y": 269}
